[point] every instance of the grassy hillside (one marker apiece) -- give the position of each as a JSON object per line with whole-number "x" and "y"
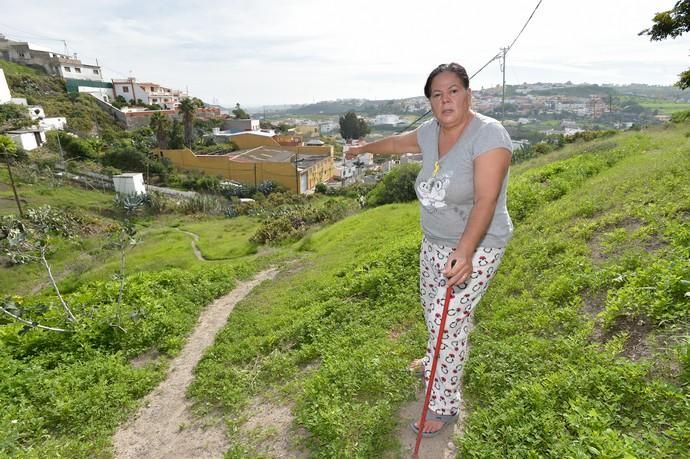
{"x": 83, "y": 114}
{"x": 580, "y": 347}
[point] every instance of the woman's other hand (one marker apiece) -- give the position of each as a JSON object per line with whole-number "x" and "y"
{"x": 458, "y": 267}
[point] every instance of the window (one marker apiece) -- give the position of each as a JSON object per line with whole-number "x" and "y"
{"x": 67, "y": 69}
{"x": 77, "y": 69}
{"x": 125, "y": 89}
{"x": 95, "y": 71}
{"x": 153, "y": 89}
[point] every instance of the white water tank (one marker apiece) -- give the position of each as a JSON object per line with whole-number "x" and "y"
{"x": 129, "y": 183}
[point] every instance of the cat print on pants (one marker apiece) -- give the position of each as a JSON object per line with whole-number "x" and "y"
{"x": 445, "y": 396}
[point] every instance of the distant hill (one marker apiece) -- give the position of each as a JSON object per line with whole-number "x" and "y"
{"x": 410, "y": 105}
{"x": 418, "y": 105}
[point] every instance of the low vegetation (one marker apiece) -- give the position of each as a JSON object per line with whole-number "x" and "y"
{"x": 580, "y": 347}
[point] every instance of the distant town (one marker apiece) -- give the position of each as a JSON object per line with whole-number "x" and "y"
{"x": 300, "y": 146}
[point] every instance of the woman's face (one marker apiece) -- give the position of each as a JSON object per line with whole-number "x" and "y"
{"x": 450, "y": 101}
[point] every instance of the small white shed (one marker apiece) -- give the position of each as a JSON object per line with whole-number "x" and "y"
{"x": 129, "y": 183}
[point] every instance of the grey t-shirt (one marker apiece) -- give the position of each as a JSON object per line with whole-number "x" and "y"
{"x": 446, "y": 191}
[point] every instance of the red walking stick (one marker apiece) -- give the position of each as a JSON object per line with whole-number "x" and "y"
{"x": 425, "y": 407}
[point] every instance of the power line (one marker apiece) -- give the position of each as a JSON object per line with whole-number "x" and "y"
{"x": 500, "y": 55}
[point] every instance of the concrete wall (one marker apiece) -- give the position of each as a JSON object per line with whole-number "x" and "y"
{"x": 113, "y": 111}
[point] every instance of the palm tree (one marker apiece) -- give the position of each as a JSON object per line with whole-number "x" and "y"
{"x": 187, "y": 107}
{"x": 160, "y": 126}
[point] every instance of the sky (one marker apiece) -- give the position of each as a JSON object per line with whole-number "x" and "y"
{"x": 269, "y": 52}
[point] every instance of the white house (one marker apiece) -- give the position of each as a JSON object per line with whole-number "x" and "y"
{"x": 68, "y": 67}
{"x": 5, "y": 95}
{"x": 56, "y": 122}
{"x": 241, "y": 125}
{"x": 345, "y": 169}
{"x": 328, "y": 126}
{"x": 129, "y": 183}
{"x": 366, "y": 159}
{"x": 387, "y": 119}
{"x": 148, "y": 93}
{"x": 27, "y": 139}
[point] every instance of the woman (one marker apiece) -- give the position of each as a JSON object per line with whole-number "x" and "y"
{"x": 462, "y": 191}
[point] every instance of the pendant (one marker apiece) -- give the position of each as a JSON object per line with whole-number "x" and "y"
{"x": 437, "y": 167}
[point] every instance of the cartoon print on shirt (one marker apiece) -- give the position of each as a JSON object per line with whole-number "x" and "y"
{"x": 433, "y": 192}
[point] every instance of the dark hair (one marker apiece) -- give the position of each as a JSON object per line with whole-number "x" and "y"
{"x": 457, "y": 69}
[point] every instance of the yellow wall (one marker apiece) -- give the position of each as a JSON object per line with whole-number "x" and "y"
{"x": 250, "y": 173}
{"x": 320, "y": 172}
{"x": 249, "y": 140}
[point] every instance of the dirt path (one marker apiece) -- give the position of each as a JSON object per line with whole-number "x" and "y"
{"x": 195, "y": 248}
{"x": 165, "y": 427}
{"x": 439, "y": 447}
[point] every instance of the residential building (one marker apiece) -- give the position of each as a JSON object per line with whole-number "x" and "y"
{"x": 146, "y": 92}
{"x": 68, "y": 67}
{"x": 27, "y": 139}
{"x": 240, "y": 125}
{"x": 387, "y": 120}
{"x": 5, "y": 95}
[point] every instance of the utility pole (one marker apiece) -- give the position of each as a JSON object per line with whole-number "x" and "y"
{"x": 504, "y": 51}
{"x": 297, "y": 170}
{"x": 62, "y": 159}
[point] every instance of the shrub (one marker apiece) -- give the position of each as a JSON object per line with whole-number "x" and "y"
{"x": 679, "y": 117}
{"x": 396, "y": 186}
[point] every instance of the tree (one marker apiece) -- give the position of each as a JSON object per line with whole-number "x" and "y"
{"x": 672, "y": 23}
{"x": 353, "y": 127}
{"x": 240, "y": 113}
{"x": 160, "y": 125}
{"x": 8, "y": 148}
{"x": 176, "y": 138}
{"x": 187, "y": 107}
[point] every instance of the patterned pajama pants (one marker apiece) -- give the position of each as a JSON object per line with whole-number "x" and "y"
{"x": 445, "y": 395}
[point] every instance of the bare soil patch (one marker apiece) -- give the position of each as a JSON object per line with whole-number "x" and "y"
{"x": 271, "y": 430}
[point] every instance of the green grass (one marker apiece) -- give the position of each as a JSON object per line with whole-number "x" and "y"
{"x": 223, "y": 238}
{"x": 667, "y": 108}
{"x": 63, "y": 395}
{"x": 580, "y": 347}
{"x": 55, "y": 194}
{"x": 10, "y": 68}
{"x": 552, "y": 371}
{"x": 336, "y": 313}
{"x": 556, "y": 369}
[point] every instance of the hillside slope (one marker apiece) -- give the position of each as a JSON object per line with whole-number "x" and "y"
{"x": 581, "y": 346}
{"x": 82, "y": 112}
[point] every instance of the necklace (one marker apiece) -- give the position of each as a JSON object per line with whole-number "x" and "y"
{"x": 437, "y": 166}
